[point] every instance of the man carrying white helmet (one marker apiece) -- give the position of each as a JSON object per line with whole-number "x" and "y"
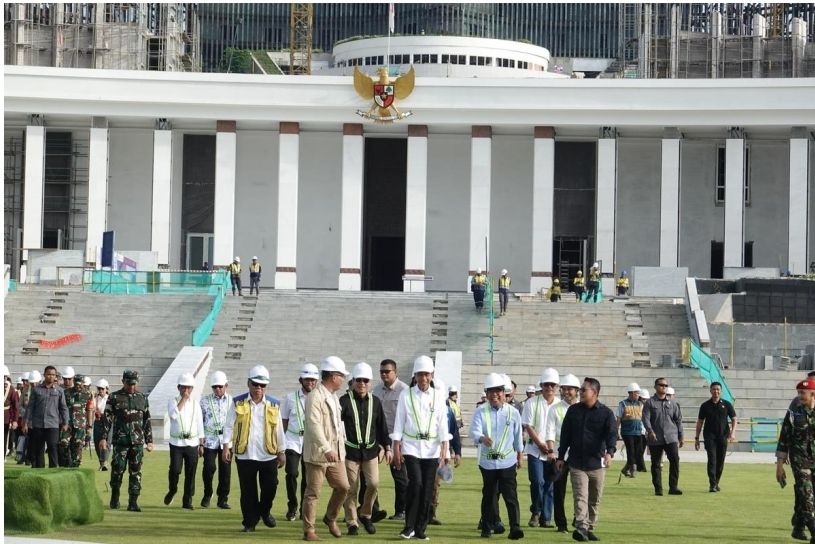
{"x": 629, "y": 424}
{"x": 214, "y": 408}
{"x": 294, "y": 410}
{"x": 569, "y": 387}
{"x": 324, "y": 448}
{"x": 186, "y": 440}
{"x": 420, "y": 439}
{"x": 366, "y": 432}
{"x": 539, "y": 467}
{"x": 99, "y": 403}
{"x": 254, "y": 432}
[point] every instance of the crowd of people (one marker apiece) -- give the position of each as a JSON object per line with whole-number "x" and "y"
{"x": 561, "y": 431}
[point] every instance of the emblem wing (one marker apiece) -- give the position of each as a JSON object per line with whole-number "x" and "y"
{"x": 403, "y": 85}
{"x": 363, "y": 84}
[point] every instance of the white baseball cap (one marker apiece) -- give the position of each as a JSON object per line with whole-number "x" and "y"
{"x": 309, "y": 372}
{"x": 423, "y": 363}
{"x": 217, "y": 378}
{"x": 362, "y": 371}
{"x": 259, "y": 374}
{"x": 186, "y": 379}
{"x": 332, "y": 363}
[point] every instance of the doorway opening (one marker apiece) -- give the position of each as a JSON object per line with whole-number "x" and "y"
{"x": 569, "y": 256}
{"x": 199, "y": 250}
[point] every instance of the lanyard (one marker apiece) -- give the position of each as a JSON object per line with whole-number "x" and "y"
{"x": 499, "y": 450}
{"x": 536, "y": 418}
{"x": 216, "y": 413}
{"x": 298, "y": 409}
{"x": 422, "y": 435}
{"x": 362, "y": 440}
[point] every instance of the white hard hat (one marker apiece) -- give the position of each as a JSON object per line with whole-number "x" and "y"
{"x": 68, "y": 372}
{"x": 218, "y": 378}
{"x": 504, "y": 272}
{"x": 309, "y": 372}
{"x": 237, "y": 259}
{"x": 6, "y": 371}
{"x": 477, "y": 270}
{"x": 452, "y": 389}
{"x": 596, "y": 265}
{"x": 87, "y": 381}
{"x": 550, "y": 375}
{"x": 102, "y": 383}
{"x": 259, "y": 374}
{"x": 493, "y": 380}
{"x": 332, "y": 363}
{"x": 507, "y": 383}
{"x": 670, "y": 391}
{"x": 186, "y": 379}
{"x": 570, "y": 380}
{"x": 423, "y": 363}
{"x": 20, "y": 380}
{"x": 35, "y": 376}
{"x": 26, "y": 376}
{"x": 254, "y": 257}
{"x": 362, "y": 370}
{"x": 633, "y": 387}
{"x": 530, "y": 388}
{"x": 644, "y": 394}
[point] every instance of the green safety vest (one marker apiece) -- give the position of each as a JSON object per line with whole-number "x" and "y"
{"x": 365, "y": 441}
{"x": 499, "y": 450}
{"x": 416, "y": 418}
{"x": 298, "y": 413}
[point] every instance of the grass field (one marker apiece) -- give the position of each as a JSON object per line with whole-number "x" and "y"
{"x": 750, "y": 508}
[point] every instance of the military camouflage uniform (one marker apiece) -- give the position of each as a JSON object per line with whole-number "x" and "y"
{"x": 72, "y": 441}
{"x": 129, "y": 416}
{"x": 796, "y": 444}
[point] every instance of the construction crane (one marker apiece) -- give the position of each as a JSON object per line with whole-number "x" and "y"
{"x": 301, "y": 38}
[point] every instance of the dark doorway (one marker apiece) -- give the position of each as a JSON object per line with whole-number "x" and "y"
{"x": 569, "y": 256}
{"x": 716, "y": 259}
{"x": 197, "y": 193}
{"x": 383, "y": 219}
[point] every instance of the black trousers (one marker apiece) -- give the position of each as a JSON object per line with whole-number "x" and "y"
{"x": 188, "y": 457}
{"x": 236, "y": 283}
{"x": 559, "y": 493}
{"x": 294, "y": 467}
{"x": 716, "y": 449}
{"x": 503, "y": 298}
{"x": 39, "y": 439}
{"x": 213, "y": 459}
{"x": 254, "y": 283}
{"x": 591, "y": 293}
{"x": 250, "y": 474}
{"x": 502, "y": 480}
{"x": 421, "y": 477}
{"x": 633, "y": 453}
{"x": 672, "y": 452}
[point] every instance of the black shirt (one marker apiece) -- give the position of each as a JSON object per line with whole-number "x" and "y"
{"x": 715, "y": 416}
{"x": 587, "y": 434}
{"x": 357, "y": 448}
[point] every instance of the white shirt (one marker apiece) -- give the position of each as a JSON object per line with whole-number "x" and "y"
{"x": 187, "y": 420}
{"x": 101, "y": 402}
{"x": 256, "y": 448}
{"x": 421, "y": 412}
{"x": 294, "y": 411}
{"x": 504, "y": 430}
{"x": 555, "y": 421}
{"x": 535, "y": 414}
{"x": 214, "y": 410}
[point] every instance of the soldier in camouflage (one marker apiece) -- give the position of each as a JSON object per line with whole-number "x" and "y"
{"x": 128, "y": 414}
{"x": 80, "y": 416}
{"x": 796, "y": 444}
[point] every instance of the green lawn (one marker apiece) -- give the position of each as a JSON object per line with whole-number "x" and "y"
{"x": 750, "y": 508}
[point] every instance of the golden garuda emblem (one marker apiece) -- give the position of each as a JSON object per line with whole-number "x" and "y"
{"x": 384, "y": 91}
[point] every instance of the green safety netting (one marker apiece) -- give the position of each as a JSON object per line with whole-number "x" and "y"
{"x": 204, "y": 329}
{"x": 709, "y": 370}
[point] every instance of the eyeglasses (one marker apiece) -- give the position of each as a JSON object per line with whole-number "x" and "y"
{"x": 361, "y": 380}
{"x": 662, "y": 385}
{"x": 550, "y": 385}
{"x": 217, "y": 386}
{"x": 256, "y": 384}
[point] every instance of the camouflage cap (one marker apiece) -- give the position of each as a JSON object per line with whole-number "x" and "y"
{"x": 130, "y": 377}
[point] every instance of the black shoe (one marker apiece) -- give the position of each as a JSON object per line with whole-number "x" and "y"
{"x": 168, "y": 498}
{"x": 563, "y": 529}
{"x": 434, "y": 521}
{"x": 516, "y": 533}
{"x": 406, "y": 533}
{"x": 114, "y": 500}
{"x": 712, "y": 489}
{"x": 499, "y": 528}
{"x": 187, "y": 505}
{"x": 676, "y": 491}
{"x": 418, "y": 535}
{"x": 798, "y": 533}
{"x": 205, "y": 501}
{"x": 398, "y": 516}
{"x": 580, "y": 536}
{"x": 223, "y": 505}
{"x": 379, "y": 515}
{"x": 486, "y": 533}
{"x": 658, "y": 492}
{"x": 269, "y": 521}
{"x": 593, "y": 537}
{"x": 291, "y": 515}
{"x": 132, "y": 505}
{"x": 718, "y": 488}
{"x": 248, "y": 530}
{"x": 546, "y": 524}
{"x": 368, "y": 524}
{"x": 353, "y": 530}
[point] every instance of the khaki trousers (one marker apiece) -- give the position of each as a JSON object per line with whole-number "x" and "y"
{"x": 587, "y": 488}
{"x": 337, "y": 479}
{"x": 370, "y": 469}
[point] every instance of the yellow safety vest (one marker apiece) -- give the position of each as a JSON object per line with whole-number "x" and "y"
{"x": 479, "y": 279}
{"x": 243, "y": 417}
{"x": 455, "y": 409}
{"x": 254, "y": 267}
{"x": 622, "y": 282}
{"x": 503, "y": 282}
{"x": 579, "y": 281}
{"x": 234, "y": 268}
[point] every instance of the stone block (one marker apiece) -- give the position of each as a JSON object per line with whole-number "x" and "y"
{"x": 658, "y": 281}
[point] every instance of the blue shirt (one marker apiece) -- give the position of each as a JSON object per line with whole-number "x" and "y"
{"x": 503, "y": 426}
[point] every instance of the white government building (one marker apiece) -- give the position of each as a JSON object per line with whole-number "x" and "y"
{"x": 542, "y": 175}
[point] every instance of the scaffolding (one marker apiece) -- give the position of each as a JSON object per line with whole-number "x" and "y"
{"x": 122, "y": 36}
{"x": 13, "y": 160}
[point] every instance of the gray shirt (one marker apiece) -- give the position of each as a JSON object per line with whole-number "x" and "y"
{"x": 47, "y": 408}
{"x": 389, "y": 397}
{"x": 664, "y": 418}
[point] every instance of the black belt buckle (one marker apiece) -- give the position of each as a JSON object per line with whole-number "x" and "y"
{"x": 301, "y": 432}
{"x": 220, "y": 431}
{"x": 424, "y": 436}
{"x": 493, "y": 456}
{"x": 186, "y": 436}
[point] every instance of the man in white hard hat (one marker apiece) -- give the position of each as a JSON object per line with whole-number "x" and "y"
{"x": 11, "y": 410}
{"x": 46, "y": 416}
{"x": 366, "y": 433}
{"x": 214, "y": 409}
{"x": 388, "y": 391}
{"x": 100, "y": 400}
{"x": 420, "y": 439}
{"x": 186, "y": 432}
{"x": 593, "y": 285}
{"x": 254, "y": 276}
{"x": 253, "y": 432}
{"x": 478, "y": 285}
{"x": 452, "y": 402}
{"x": 569, "y": 387}
{"x": 496, "y": 431}
{"x": 534, "y": 420}
{"x": 629, "y": 423}
{"x": 235, "y": 275}
{"x": 503, "y": 290}
{"x": 294, "y": 423}
{"x": 324, "y": 448}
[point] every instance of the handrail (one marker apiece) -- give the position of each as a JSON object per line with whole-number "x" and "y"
{"x": 201, "y": 333}
{"x": 697, "y": 322}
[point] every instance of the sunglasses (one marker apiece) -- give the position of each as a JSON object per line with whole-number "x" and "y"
{"x": 361, "y": 380}
{"x": 218, "y": 386}
{"x": 256, "y": 384}
{"x": 385, "y": 371}
{"x": 662, "y": 385}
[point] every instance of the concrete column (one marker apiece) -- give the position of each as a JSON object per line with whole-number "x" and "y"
{"x": 799, "y": 44}
{"x": 543, "y": 208}
{"x": 606, "y": 203}
{"x": 353, "y": 161}
{"x": 734, "y": 199}
{"x": 669, "y": 201}
{"x": 416, "y": 207}
{"x": 480, "y": 179}
{"x": 674, "y": 43}
{"x": 716, "y": 30}
{"x": 758, "y": 36}
{"x": 34, "y": 184}
{"x": 288, "y": 176}
{"x": 799, "y": 218}
{"x": 225, "y": 164}
{"x": 97, "y": 187}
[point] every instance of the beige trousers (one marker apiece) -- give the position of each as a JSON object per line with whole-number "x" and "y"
{"x": 370, "y": 469}
{"x": 587, "y": 488}
{"x": 337, "y": 479}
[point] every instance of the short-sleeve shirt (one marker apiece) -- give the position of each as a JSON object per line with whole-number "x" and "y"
{"x": 715, "y": 416}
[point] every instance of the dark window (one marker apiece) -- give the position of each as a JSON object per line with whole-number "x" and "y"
{"x": 445, "y": 59}
{"x": 434, "y": 59}
{"x": 473, "y": 61}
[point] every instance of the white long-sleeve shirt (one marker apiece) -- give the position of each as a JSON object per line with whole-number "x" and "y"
{"x": 421, "y": 413}
{"x": 536, "y": 412}
{"x": 188, "y": 420}
{"x": 295, "y": 412}
{"x": 256, "y": 448}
